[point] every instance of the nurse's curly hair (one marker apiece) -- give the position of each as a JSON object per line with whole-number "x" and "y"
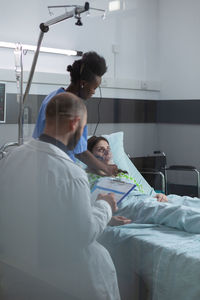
{"x": 87, "y": 68}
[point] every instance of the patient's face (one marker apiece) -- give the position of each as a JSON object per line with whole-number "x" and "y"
{"x": 102, "y": 150}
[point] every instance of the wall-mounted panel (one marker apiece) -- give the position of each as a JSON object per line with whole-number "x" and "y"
{"x": 32, "y": 107}
{"x": 178, "y": 111}
{"x": 122, "y": 111}
{"x": 116, "y": 110}
{"x": 111, "y": 110}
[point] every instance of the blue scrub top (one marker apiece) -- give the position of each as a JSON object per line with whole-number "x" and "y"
{"x": 40, "y": 124}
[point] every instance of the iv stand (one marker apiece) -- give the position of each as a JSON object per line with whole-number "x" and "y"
{"x": 44, "y": 27}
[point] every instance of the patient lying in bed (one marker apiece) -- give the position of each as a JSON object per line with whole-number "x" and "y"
{"x": 100, "y": 148}
{"x": 139, "y": 207}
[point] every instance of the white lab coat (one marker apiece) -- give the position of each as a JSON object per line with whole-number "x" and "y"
{"x": 48, "y": 227}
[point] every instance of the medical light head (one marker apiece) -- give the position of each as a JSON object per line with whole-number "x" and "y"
{"x": 78, "y": 23}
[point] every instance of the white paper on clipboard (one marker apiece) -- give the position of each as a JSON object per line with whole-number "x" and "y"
{"x": 111, "y": 185}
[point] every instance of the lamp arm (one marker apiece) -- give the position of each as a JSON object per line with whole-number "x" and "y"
{"x": 76, "y": 11}
{"x": 44, "y": 27}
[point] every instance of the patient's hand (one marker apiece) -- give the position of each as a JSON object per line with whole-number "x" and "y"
{"x": 119, "y": 220}
{"x": 161, "y": 198}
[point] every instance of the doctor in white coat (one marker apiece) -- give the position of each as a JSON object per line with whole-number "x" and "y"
{"x": 48, "y": 225}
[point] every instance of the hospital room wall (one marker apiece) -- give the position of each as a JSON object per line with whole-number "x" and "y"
{"x": 134, "y": 142}
{"x": 132, "y": 31}
{"x": 179, "y": 42}
{"x": 179, "y": 25}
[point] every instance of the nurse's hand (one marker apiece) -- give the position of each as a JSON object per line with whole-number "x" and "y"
{"x": 119, "y": 220}
{"x": 161, "y": 198}
{"x": 110, "y": 199}
{"x": 111, "y": 170}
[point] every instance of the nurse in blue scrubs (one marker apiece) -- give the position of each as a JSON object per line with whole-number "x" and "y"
{"x": 85, "y": 74}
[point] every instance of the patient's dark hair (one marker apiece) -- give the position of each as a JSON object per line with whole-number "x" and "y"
{"x": 87, "y": 68}
{"x": 94, "y": 140}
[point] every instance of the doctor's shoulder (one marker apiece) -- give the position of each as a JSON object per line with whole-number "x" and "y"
{"x": 76, "y": 171}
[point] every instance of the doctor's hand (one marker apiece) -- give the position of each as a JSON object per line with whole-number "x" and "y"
{"x": 110, "y": 199}
{"x": 119, "y": 220}
{"x": 161, "y": 197}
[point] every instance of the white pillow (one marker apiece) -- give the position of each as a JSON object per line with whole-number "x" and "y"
{"x": 120, "y": 158}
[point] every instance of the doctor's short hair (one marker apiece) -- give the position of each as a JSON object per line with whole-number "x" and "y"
{"x": 87, "y": 68}
{"x": 65, "y": 105}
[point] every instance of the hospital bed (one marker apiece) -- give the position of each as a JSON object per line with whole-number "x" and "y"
{"x": 153, "y": 261}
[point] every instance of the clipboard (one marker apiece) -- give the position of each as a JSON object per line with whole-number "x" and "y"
{"x": 112, "y": 185}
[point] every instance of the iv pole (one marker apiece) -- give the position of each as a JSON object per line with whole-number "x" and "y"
{"x": 44, "y": 27}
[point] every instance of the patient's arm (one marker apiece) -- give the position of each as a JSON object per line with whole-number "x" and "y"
{"x": 119, "y": 220}
{"x": 161, "y": 197}
{"x": 96, "y": 165}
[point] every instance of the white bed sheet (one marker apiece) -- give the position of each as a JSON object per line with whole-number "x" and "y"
{"x": 167, "y": 260}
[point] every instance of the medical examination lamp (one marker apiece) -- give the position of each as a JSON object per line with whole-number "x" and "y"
{"x": 44, "y": 27}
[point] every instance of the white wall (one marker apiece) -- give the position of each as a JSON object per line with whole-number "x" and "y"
{"x": 181, "y": 144}
{"x": 179, "y": 25}
{"x": 184, "y": 143}
{"x": 139, "y": 139}
{"x": 132, "y": 30}
{"x": 135, "y": 141}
